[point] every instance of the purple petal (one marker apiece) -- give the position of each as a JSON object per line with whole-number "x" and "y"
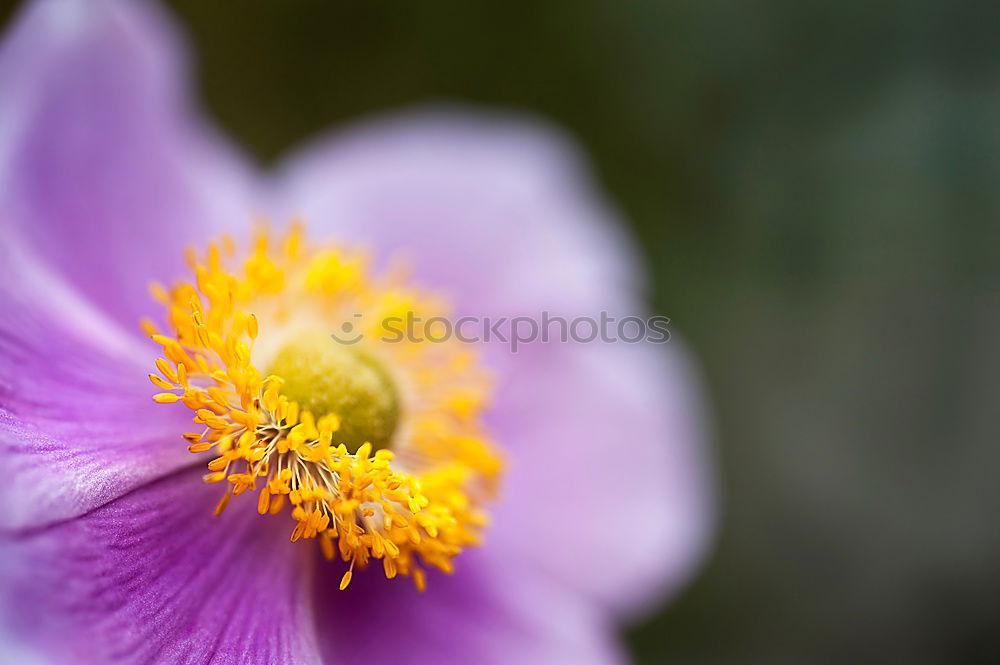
{"x": 608, "y": 487}
{"x": 153, "y": 578}
{"x": 494, "y": 211}
{"x": 105, "y": 172}
{"x": 78, "y": 426}
{"x": 482, "y": 614}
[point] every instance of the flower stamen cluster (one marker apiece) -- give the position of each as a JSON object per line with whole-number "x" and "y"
{"x": 415, "y": 502}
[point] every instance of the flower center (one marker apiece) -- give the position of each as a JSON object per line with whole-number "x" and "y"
{"x": 325, "y": 376}
{"x": 312, "y": 434}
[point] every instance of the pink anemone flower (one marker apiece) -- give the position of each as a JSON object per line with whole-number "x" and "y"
{"x": 377, "y": 503}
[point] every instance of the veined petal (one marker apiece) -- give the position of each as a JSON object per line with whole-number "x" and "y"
{"x": 496, "y": 211}
{"x": 609, "y": 488}
{"x": 148, "y": 579}
{"x": 483, "y": 614}
{"x": 77, "y": 427}
{"x": 105, "y": 171}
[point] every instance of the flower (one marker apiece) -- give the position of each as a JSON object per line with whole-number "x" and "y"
{"x": 567, "y": 489}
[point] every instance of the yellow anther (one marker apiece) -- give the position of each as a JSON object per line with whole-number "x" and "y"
{"x": 223, "y": 502}
{"x": 160, "y": 383}
{"x": 346, "y": 579}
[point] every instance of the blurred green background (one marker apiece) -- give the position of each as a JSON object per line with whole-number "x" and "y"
{"x": 816, "y": 186}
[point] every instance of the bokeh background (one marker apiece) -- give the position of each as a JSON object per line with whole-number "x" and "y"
{"x": 816, "y": 189}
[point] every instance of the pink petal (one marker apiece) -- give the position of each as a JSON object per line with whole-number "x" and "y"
{"x": 153, "y": 578}
{"x": 78, "y": 426}
{"x": 105, "y": 171}
{"x": 482, "y": 614}
{"x": 494, "y": 211}
{"x": 608, "y": 487}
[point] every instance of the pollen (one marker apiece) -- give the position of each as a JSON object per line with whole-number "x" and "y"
{"x": 372, "y": 443}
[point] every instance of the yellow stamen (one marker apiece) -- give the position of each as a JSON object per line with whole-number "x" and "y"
{"x": 377, "y": 446}
{"x": 223, "y": 502}
{"x": 346, "y": 579}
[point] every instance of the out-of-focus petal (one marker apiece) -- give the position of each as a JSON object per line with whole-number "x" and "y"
{"x": 608, "y": 487}
{"x": 78, "y": 426}
{"x": 105, "y": 171}
{"x": 483, "y": 614}
{"x": 152, "y": 577}
{"x": 495, "y": 211}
